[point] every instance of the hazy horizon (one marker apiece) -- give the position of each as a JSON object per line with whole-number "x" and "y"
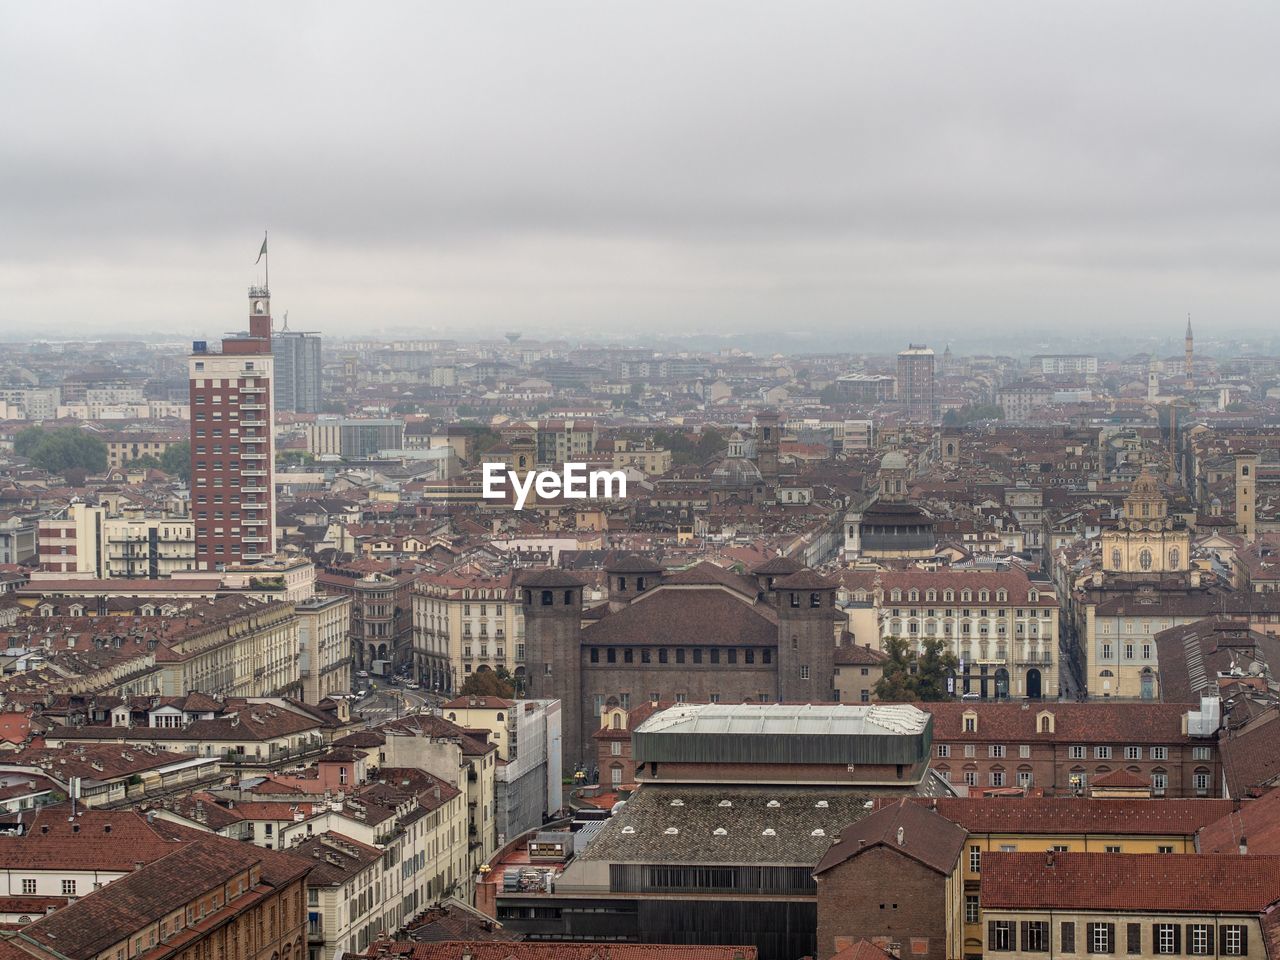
{"x": 828, "y": 172}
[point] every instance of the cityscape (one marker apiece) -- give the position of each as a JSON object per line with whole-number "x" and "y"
{"x": 721, "y": 495}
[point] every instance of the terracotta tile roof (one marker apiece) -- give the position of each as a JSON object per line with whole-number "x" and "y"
{"x": 97, "y": 839}
{"x": 1251, "y": 756}
{"x": 711, "y": 615}
{"x": 1084, "y": 723}
{"x": 1121, "y": 778}
{"x": 90, "y": 925}
{"x": 1257, "y": 822}
{"x": 1071, "y": 815}
{"x": 863, "y": 950}
{"x": 484, "y": 950}
{"x": 1127, "y": 882}
{"x": 927, "y": 837}
{"x": 856, "y": 655}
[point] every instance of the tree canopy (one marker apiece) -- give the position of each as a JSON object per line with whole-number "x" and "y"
{"x": 63, "y": 449}
{"x": 910, "y": 677}
{"x": 487, "y": 683}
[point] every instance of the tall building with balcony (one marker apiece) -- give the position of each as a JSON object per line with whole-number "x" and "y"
{"x": 91, "y": 542}
{"x": 232, "y": 444}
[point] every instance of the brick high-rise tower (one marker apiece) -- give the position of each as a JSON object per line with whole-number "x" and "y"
{"x": 233, "y": 444}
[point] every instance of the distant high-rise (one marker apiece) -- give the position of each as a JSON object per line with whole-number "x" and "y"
{"x": 917, "y": 391}
{"x": 232, "y": 443}
{"x": 297, "y": 371}
{"x": 1188, "y": 367}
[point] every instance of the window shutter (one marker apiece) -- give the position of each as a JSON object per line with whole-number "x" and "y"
{"x": 1135, "y": 938}
{"x": 1111, "y": 938}
{"x": 1222, "y": 940}
{"x": 1244, "y": 940}
{"x": 1068, "y": 938}
{"x": 1177, "y": 938}
{"x": 991, "y": 934}
{"x": 1022, "y": 928}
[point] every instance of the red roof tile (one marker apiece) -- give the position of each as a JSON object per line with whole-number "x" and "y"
{"x": 1127, "y": 882}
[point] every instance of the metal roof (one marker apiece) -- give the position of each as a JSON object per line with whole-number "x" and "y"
{"x": 773, "y": 719}
{"x": 785, "y": 733}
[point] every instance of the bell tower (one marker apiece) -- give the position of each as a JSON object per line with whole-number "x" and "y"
{"x": 260, "y": 314}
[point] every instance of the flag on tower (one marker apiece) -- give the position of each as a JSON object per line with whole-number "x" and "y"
{"x": 263, "y": 252}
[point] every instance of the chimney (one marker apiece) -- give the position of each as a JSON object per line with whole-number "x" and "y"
{"x": 1048, "y": 859}
{"x": 1244, "y": 845}
{"x": 902, "y": 837}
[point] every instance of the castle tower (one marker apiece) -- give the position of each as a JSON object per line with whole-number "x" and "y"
{"x": 629, "y": 577}
{"x": 1187, "y": 367}
{"x": 806, "y": 637}
{"x": 768, "y": 426}
{"x": 552, "y": 603}
{"x": 1247, "y": 493}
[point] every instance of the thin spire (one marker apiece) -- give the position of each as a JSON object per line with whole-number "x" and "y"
{"x": 1188, "y": 326}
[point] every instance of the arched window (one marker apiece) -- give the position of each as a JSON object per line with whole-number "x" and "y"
{"x": 1144, "y": 559}
{"x": 1174, "y": 557}
{"x": 1115, "y": 557}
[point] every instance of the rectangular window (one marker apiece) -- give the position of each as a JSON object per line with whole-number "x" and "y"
{"x": 1102, "y": 753}
{"x": 1235, "y": 940}
{"x": 972, "y": 908}
{"x": 1159, "y": 783}
{"x": 1201, "y": 753}
{"x": 1202, "y": 782}
{"x": 715, "y": 655}
{"x": 680, "y": 655}
{"x": 1024, "y": 751}
{"x": 971, "y": 778}
{"x": 1111, "y": 848}
{"x": 997, "y": 778}
{"x": 28, "y": 886}
{"x": 1133, "y": 938}
{"x": 1165, "y": 936}
{"x": 1075, "y": 752}
{"x": 1102, "y": 937}
{"x": 1024, "y": 779}
{"x": 804, "y": 671}
{"x": 1035, "y": 936}
{"x": 1164, "y": 849}
{"x": 1198, "y": 939}
{"x": 1159, "y": 753}
{"x": 697, "y": 654}
{"x": 975, "y": 859}
{"x": 1133, "y": 753}
{"x": 944, "y": 749}
{"x": 969, "y": 750}
{"x": 1000, "y": 935}
{"x": 1067, "y": 936}
{"x": 68, "y": 888}
{"x": 996, "y": 750}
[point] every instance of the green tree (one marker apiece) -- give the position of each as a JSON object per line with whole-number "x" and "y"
{"x": 910, "y": 677}
{"x": 486, "y": 683}
{"x": 145, "y": 462}
{"x": 67, "y": 448}
{"x": 176, "y": 460}
{"x": 933, "y": 666}
{"x": 25, "y": 442}
{"x": 897, "y": 683}
{"x": 292, "y": 457}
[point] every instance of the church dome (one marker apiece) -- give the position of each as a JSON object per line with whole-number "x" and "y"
{"x": 736, "y": 472}
{"x": 893, "y": 460}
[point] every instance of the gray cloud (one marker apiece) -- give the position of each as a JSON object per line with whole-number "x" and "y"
{"x": 602, "y": 166}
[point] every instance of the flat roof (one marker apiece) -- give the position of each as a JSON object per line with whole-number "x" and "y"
{"x": 775, "y": 719}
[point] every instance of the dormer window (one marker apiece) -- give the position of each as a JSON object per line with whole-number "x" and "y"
{"x": 914, "y": 595}
{"x": 895, "y": 595}
{"x": 970, "y": 722}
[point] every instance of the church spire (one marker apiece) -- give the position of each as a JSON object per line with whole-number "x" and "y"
{"x": 1188, "y": 364}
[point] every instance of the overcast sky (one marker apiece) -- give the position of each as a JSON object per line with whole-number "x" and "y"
{"x": 604, "y": 168}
